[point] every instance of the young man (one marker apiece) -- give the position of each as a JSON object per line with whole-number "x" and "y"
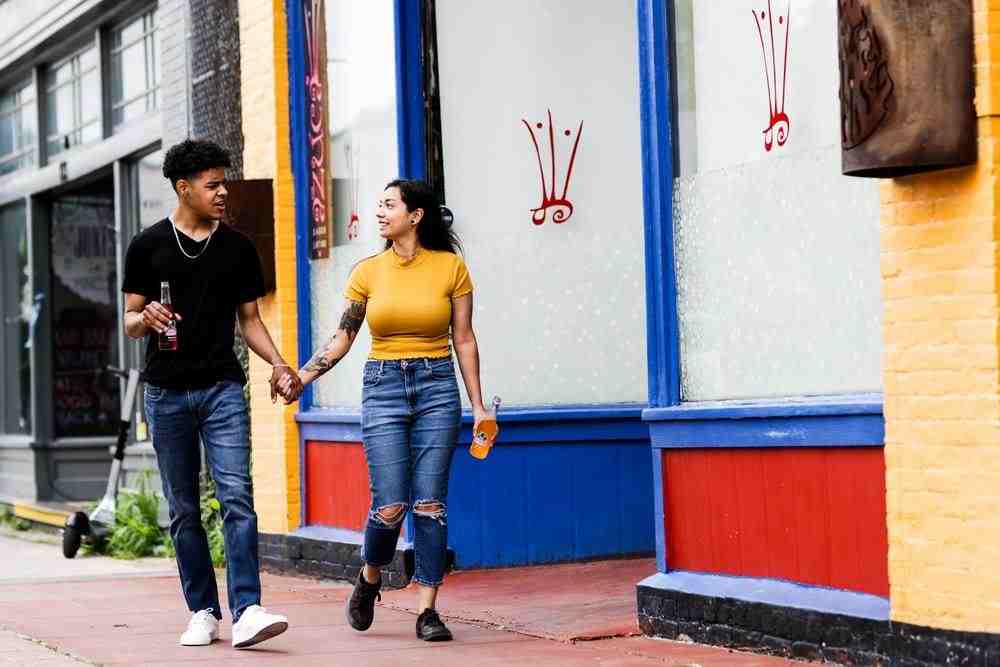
{"x": 195, "y": 391}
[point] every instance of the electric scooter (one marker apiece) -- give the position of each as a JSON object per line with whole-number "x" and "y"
{"x": 101, "y": 521}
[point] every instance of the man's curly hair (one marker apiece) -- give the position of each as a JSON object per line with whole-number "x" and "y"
{"x": 191, "y": 157}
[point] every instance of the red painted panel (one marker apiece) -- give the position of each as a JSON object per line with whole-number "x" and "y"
{"x": 337, "y": 492}
{"x": 810, "y": 515}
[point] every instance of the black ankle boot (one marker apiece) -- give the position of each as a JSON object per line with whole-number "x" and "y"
{"x": 361, "y": 604}
{"x": 431, "y": 628}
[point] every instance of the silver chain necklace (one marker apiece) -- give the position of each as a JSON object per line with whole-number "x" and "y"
{"x": 181, "y": 247}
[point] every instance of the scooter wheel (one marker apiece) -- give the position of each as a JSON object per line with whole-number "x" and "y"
{"x": 71, "y": 540}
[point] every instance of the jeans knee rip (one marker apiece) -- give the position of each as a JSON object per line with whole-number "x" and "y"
{"x": 432, "y": 509}
{"x": 389, "y": 516}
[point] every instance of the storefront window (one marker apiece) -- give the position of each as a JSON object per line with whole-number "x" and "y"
{"x": 20, "y": 314}
{"x": 18, "y": 127}
{"x": 73, "y": 101}
{"x": 361, "y": 121}
{"x": 135, "y": 69}
{"x": 776, "y": 252}
{"x": 84, "y": 312}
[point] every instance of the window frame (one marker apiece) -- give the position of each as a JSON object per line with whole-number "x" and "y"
{"x": 148, "y": 38}
{"x": 26, "y": 148}
{"x": 76, "y": 81}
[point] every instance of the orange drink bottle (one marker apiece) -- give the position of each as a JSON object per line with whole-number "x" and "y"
{"x": 486, "y": 434}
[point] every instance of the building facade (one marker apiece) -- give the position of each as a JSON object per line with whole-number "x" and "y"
{"x": 82, "y": 128}
{"x": 93, "y": 92}
{"x": 668, "y": 174}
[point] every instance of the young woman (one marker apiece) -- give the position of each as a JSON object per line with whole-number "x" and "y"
{"x": 412, "y": 293}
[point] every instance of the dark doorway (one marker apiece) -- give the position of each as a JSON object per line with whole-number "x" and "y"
{"x": 84, "y": 311}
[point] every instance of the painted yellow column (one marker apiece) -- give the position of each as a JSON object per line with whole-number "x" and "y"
{"x": 940, "y": 286}
{"x": 267, "y": 154}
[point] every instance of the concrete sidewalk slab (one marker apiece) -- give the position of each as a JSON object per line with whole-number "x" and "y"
{"x": 34, "y": 560}
{"x": 16, "y": 649}
{"x": 562, "y": 602}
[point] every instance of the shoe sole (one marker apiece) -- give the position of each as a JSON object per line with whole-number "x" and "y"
{"x": 347, "y": 615}
{"x": 264, "y": 634}
{"x": 437, "y": 638}
{"x": 208, "y": 643}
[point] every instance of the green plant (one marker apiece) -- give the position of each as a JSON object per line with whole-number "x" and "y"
{"x": 211, "y": 519}
{"x": 137, "y": 532}
{"x": 11, "y": 520}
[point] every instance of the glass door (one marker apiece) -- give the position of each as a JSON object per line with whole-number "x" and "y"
{"x": 85, "y": 316}
{"x": 20, "y": 313}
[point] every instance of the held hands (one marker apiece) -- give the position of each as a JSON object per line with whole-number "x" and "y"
{"x": 285, "y": 383}
{"x": 156, "y": 317}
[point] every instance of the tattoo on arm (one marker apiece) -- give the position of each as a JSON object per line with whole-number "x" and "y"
{"x": 320, "y": 363}
{"x": 353, "y": 318}
{"x": 323, "y": 360}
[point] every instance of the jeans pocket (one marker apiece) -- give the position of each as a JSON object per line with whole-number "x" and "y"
{"x": 372, "y": 374}
{"x": 443, "y": 369}
{"x": 154, "y": 393}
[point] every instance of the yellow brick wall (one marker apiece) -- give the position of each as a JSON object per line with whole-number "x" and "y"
{"x": 940, "y": 284}
{"x": 266, "y": 154}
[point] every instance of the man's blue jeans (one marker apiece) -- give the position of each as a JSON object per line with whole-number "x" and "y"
{"x": 217, "y": 415}
{"x": 410, "y": 416}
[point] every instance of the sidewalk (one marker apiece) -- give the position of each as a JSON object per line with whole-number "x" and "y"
{"x": 133, "y": 619}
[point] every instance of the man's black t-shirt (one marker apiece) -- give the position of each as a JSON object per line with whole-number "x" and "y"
{"x": 205, "y": 292}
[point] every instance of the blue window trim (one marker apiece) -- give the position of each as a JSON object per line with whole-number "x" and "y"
{"x": 842, "y": 421}
{"x": 410, "y": 117}
{"x": 662, "y": 337}
{"x": 774, "y": 592}
{"x": 299, "y": 143}
{"x": 524, "y": 426}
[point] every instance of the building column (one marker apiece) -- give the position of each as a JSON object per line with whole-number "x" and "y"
{"x": 941, "y": 286}
{"x": 267, "y": 154}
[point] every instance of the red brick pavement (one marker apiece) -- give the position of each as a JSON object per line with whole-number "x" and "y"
{"x": 136, "y": 621}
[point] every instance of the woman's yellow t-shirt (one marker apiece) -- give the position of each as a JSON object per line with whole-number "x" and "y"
{"x": 409, "y": 301}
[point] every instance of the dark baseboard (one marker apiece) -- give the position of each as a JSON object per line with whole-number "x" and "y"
{"x": 806, "y": 634}
{"x": 323, "y": 559}
{"x": 332, "y": 559}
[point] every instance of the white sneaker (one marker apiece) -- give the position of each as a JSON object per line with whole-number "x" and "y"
{"x": 202, "y": 629}
{"x": 256, "y": 624}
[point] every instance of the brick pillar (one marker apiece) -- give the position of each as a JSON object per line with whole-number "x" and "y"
{"x": 267, "y": 154}
{"x": 942, "y": 358}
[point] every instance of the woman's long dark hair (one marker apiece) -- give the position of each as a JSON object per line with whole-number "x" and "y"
{"x": 432, "y": 231}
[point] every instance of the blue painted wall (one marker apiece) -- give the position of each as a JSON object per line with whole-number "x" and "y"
{"x": 554, "y": 502}
{"x": 563, "y": 483}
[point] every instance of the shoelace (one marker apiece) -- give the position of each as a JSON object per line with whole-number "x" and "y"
{"x": 202, "y": 618}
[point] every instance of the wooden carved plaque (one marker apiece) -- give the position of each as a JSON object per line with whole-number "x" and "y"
{"x": 906, "y": 86}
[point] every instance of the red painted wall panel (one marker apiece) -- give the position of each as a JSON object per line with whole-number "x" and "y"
{"x": 337, "y": 492}
{"x": 810, "y": 515}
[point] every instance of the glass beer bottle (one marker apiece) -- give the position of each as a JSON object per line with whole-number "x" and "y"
{"x": 168, "y": 338}
{"x": 484, "y": 436}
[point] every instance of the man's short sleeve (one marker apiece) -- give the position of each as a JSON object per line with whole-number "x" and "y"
{"x": 251, "y": 280}
{"x": 357, "y": 284}
{"x": 463, "y": 283}
{"x": 137, "y": 269}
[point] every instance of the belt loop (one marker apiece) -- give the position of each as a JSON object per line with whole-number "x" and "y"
{"x": 427, "y": 363}
{"x": 381, "y": 365}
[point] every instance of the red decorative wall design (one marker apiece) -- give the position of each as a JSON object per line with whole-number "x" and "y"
{"x": 559, "y": 204}
{"x": 808, "y": 515}
{"x": 779, "y": 124}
